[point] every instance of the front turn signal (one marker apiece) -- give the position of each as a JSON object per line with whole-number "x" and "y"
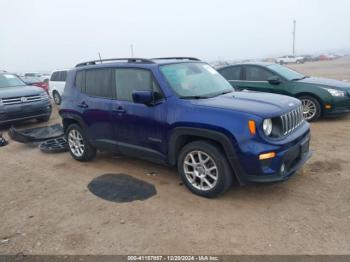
{"x": 252, "y": 127}
{"x": 267, "y": 155}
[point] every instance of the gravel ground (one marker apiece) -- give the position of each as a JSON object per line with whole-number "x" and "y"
{"x": 46, "y": 207}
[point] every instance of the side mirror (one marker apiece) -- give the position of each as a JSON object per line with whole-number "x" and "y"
{"x": 274, "y": 80}
{"x": 142, "y": 97}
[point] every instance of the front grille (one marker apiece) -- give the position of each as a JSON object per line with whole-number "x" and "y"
{"x": 20, "y": 100}
{"x": 292, "y": 120}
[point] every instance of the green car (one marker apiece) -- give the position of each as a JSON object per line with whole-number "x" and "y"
{"x": 319, "y": 96}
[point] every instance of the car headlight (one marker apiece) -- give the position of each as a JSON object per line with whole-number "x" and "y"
{"x": 44, "y": 95}
{"x": 335, "y": 92}
{"x": 267, "y": 126}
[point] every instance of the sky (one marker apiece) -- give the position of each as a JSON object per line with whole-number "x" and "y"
{"x": 41, "y": 35}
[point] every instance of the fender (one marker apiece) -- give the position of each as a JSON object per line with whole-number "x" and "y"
{"x": 180, "y": 133}
{"x": 67, "y": 117}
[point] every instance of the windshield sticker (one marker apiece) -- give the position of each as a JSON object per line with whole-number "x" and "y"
{"x": 210, "y": 69}
{"x": 9, "y": 76}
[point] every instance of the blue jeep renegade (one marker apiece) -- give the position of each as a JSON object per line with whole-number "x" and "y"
{"x": 181, "y": 112}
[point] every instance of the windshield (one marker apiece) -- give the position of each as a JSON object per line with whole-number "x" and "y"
{"x": 195, "y": 80}
{"x": 10, "y": 80}
{"x": 286, "y": 72}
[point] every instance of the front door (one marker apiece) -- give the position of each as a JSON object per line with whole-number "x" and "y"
{"x": 138, "y": 128}
{"x": 256, "y": 78}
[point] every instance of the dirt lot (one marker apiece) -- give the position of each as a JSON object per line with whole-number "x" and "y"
{"x": 46, "y": 208}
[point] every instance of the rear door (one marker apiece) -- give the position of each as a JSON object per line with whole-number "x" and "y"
{"x": 95, "y": 104}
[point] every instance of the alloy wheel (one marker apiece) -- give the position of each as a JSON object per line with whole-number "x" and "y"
{"x": 309, "y": 109}
{"x": 200, "y": 170}
{"x": 76, "y": 142}
{"x": 56, "y": 98}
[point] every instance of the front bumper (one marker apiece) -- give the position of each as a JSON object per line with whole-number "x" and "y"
{"x": 292, "y": 153}
{"x": 293, "y": 159}
{"x": 339, "y": 105}
{"x": 17, "y": 113}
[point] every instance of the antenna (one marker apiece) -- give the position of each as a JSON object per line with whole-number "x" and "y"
{"x": 294, "y": 22}
{"x": 99, "y": 55}
{"x": 132, "y": 50}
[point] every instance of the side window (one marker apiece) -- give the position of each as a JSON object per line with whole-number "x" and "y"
{"x": 63, "y": 76}
{"x": 80, "y": 80}
{"x": 255, "y": 73}
{"x": 54, "y": 76}
{"x": 129, "y": 80}
{"x": 98, "y": 83}
{"x": 231, "y": 73}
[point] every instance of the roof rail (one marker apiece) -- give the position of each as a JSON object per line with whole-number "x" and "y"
{"x": 178, "y": 58}
{"x": 128, "y": 60}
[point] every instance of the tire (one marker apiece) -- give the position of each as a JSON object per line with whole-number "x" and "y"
{"x": 78, "y": 145}
{"x": 56, "y": 97}
{"x": 310, "y": 103}
{"x": 213, "y": 156}
{"x": 43, "y": 119}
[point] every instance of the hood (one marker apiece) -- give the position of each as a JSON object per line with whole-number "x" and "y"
{"x": 326, "y": 82}
{"x": 20, "y": 91}
{"x": 261, "y": 104}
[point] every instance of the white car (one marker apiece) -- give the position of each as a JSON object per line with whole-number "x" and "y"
{"x": 56, "y": 85}
{"x": 287, "y": 59}
{"x": 40, "y": 76}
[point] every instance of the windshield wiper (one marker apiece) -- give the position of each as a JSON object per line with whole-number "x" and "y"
{"x": 301, "y": 78}
{"x": 194, "y": 97}
{"x": 226, "y": 92}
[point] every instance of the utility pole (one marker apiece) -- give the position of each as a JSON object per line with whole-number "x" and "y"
{"x": 132, "y": 50}
{"x": 294, "y": 22}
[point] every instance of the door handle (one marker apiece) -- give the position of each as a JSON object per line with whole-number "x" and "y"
{"x": 83, "y": 105}
{"x": 120, "y": 110}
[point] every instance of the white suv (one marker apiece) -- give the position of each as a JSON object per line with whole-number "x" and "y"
{"x": 56, "y": 85}
{"x": 287, "y": 59}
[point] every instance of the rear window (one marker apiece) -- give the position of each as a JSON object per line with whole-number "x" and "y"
{"x": 54, "y": 76}
{"x": 59, "y": 76}
{"x": 98, "y": 82}
{"x": 63, "y": 76}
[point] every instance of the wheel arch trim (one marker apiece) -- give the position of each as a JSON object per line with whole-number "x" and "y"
{"x": 222, "y": 139}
